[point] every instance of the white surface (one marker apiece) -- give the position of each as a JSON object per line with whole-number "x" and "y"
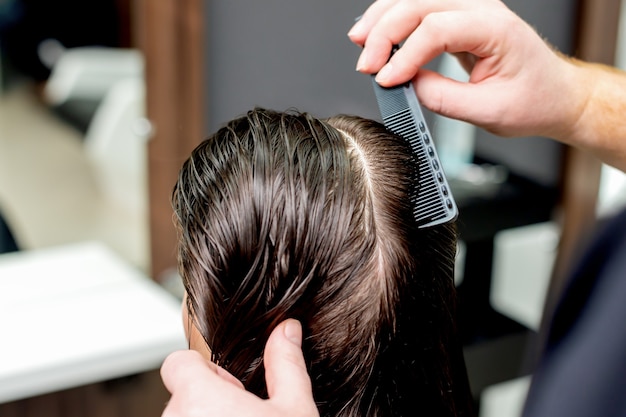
{"x": 522, "y": 267}
{"x": 612, "y": 193}
{"x": 505, "y": 399}
{"x": 89, "y": 72}
{"x": 118, "y": 148}
{"x": 76, "y": 315}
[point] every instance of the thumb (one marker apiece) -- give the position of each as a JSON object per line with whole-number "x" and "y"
{"x": 288, "y": 383}
{"x": 452, "y": 98}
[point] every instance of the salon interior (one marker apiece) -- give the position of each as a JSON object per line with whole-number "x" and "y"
{"x": 101, "y": 101}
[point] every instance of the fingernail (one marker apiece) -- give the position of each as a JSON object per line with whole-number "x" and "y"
{"x": 293, "y": 332}
{"x": 356, "y": 28}
{"x": 384, "y": 73}
{"x": 361, "y": 63}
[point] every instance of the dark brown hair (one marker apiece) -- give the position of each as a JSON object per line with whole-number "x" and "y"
{"x": 284, "y": 215}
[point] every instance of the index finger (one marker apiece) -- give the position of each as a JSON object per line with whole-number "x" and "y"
{"x": 391, "y": 24}
{"x": 469, "y": 31}
{"x": 359, "y": 31}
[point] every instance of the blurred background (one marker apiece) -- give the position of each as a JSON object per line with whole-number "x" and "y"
{"x": 101, "y": 101}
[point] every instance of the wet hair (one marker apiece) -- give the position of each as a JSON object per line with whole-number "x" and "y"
{"x": 283, "y": 215}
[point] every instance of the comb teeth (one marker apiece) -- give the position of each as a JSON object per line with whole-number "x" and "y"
{"x": 432, "y": 200}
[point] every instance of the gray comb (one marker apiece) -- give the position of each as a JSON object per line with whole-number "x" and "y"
{"x": 432, "y": 200}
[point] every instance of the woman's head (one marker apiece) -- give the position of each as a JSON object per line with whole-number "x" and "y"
{"x": 284, "y": 215}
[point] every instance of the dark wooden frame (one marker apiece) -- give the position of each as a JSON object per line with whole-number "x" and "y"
{"x": 596, "y": 42}
{"x": 169, "y": 32}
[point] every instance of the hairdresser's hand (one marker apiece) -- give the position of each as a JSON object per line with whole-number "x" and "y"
{"x": 202, "y": 389}
{"x": 518, "y": 85}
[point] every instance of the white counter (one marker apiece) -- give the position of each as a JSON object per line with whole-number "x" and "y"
{"x": 76, "y": 315}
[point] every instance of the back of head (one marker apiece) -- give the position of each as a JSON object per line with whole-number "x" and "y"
{"x": 284, "y": 215}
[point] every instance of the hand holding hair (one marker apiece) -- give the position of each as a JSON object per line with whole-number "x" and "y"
{"x": 519, "y": 85}
{"x": 201, "y": 388}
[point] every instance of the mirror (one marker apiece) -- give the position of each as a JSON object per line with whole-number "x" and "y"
{"x": 73, "y": 131}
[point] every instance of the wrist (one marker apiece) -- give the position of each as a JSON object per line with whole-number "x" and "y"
{"x": 600, "y": 93}
{"x": 572, "y": 119}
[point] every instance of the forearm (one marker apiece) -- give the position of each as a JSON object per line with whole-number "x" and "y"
{"x": 600, "y": 128}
